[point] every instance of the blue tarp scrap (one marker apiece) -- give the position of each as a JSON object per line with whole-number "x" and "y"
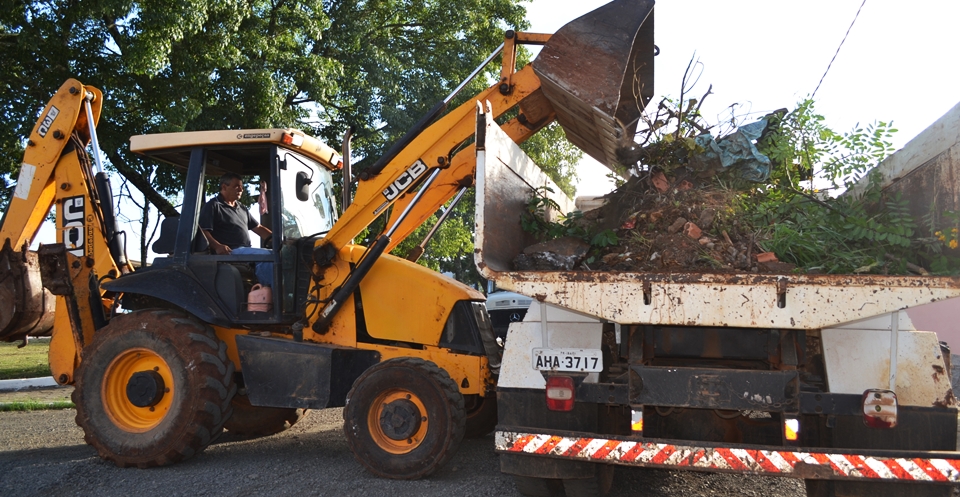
{"x": 738, "y": 151}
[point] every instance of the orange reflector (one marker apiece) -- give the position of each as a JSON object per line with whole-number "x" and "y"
{"x": 560, "y": 393}
{"x": 292, "y": 139}
{"x": 636, "y": 421}
{"x": 791, "y": 429}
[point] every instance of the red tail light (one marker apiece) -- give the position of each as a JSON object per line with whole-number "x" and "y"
{"x": 880, "y": 408}
{"x": 560, "y": 393}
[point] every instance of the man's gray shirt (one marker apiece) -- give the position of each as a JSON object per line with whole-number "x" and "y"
{"x": 229, "y": 225}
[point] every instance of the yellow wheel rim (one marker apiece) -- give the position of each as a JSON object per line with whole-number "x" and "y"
{"x": 121, "y": 411}
{"x": 385, "y": 401}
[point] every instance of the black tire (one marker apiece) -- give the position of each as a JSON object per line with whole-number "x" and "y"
{"x": 538, "y": 487}
{"x": 481, "y": 415}
{"x": 827, "y": 488}
{"x": 184, "y": 418}
{"x": 249, "y": 421}
{"x": 597, "y": 486}
{"x": 425, "y": 429}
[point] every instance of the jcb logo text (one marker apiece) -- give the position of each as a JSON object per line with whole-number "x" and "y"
{"x": 405, "y": 180}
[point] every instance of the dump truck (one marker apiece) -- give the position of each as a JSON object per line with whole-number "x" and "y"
{"x": 821, "y": 377}
{"x": 164, "y": 357}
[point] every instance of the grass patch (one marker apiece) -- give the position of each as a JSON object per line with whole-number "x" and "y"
{"x": 34, "y": 405}
{"x": 28, "y": 362}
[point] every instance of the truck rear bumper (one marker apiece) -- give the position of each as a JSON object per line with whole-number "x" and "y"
{"x": 817, "y": 464}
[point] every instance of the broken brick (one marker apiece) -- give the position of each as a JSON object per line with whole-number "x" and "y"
{"x": 684, "y": 186}
{"x": 611, "y": 259}
{"x": 660, "y": 182}
{"x": 777, "y": 267}
{"x": 707, "y": 217}
{"x": 767, "y": 257}
{"x": 692, "y": 230}
{"x": 677, "y": 225}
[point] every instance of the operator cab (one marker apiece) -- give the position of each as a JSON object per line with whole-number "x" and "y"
{"x": 290, "y": 177}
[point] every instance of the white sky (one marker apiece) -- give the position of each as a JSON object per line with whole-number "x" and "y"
{"x": 898, "y": 64}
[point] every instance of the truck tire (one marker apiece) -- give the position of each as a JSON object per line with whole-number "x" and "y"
{"x": 598, "y": 486}
{"x": 249, "y": 421}
{"x": 481, "y": 415}
{"x": 404, "y": 418}
{"x": 538, "y": 487}
{"x": 154, "y": 388}
{"x": 826, "y": 488}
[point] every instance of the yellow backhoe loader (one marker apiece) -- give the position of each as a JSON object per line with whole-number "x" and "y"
{"x": 165, "y": 357}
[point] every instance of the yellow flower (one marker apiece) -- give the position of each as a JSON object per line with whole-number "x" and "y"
{"x": 952, "y": 244}
{"x": 937, "y": 233}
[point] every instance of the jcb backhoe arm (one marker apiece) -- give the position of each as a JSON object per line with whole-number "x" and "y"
{"x": 596, "y": 77}
{"x": 57, "y": 171}
{"x": 427, "y": 160}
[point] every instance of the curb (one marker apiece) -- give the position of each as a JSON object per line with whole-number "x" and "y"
{"x": 14, "y": 385}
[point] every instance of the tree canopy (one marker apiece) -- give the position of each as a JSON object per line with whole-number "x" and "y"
{"x": 168, "y": 66}
{"x": 318, "y": 65}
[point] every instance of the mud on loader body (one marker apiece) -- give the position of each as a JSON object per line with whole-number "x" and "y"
{"x": 165, "y": 357}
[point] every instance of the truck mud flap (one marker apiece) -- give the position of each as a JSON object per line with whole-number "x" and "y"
{"x": 282, "y": 373}
{"x": 814, "y": 464}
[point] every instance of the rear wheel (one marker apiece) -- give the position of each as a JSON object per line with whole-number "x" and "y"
{"x": 249, "y": 421}
{"x": 598, "y": 485}
{"x": 481, "y": 414}
{"x": 404, "y": 418}
{"x": 538, "y": 487}
{"x": 154, "y": 388}
{"x": 827, "y": 488}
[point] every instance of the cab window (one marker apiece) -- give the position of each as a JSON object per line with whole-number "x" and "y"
{"x": 307, "y": 206}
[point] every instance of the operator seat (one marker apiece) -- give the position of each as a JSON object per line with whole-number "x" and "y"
{"x": 168, "y": 238}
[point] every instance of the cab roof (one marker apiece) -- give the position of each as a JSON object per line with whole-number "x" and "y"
{"x": 243, "y": 151}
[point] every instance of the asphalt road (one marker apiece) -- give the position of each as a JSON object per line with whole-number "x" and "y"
{"x": 43, "y": 453}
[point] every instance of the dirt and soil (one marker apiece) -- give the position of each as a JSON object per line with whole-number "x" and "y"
{"x": 676, "y": 225}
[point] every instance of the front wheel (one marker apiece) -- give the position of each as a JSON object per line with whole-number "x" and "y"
{"x": 154, "y": 388}
{"x": 404, "y": 418}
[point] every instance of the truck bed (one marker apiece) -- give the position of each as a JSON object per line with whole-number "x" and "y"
{"x": 506, "y": 178}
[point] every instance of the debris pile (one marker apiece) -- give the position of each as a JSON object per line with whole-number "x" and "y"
{"x": 745, "y": 202}
{"x": 660, "y": 225}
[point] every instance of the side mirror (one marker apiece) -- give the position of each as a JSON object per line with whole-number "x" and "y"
{"x": 303, "y": 186}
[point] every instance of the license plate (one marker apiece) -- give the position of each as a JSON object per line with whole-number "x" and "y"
{"x": 580, "y": 360}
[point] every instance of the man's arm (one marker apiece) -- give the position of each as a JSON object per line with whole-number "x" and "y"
{"x": 218, "y": 248}
{"x": 262, "y": 230}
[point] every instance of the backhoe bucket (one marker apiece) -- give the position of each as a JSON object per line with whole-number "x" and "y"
{"x": 597, "y": 71}
{"x": 26, "y": 308}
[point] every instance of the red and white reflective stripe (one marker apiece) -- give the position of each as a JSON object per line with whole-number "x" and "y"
{"x": 770, "y": 462}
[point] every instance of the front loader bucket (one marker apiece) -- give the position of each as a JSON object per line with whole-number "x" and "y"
{"x": 26, "y": 308}
{"x": 597, "y": 71}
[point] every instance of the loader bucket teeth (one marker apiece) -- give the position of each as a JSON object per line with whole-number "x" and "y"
{"x": 597, "y": 71}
